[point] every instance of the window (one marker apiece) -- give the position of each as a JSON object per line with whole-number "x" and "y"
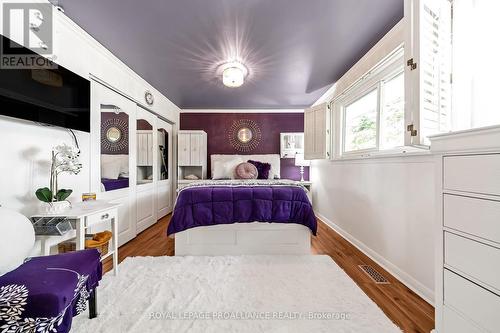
{"x": 392, "y": 120}
{"x": 372, "y": 111}
{"x": 361, "y": 123}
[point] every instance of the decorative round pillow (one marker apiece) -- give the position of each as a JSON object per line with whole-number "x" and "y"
{"x": 246, "y": 170}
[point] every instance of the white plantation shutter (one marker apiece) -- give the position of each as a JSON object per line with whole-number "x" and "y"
{"x": 428, "y": 71}
{"x": 317, "y": 132}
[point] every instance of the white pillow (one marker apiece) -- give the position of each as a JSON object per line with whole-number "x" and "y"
{"x": 110, "y": 170}
{"x": 224, "y": 170}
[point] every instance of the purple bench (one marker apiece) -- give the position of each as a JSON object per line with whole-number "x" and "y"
{"x": 47, "y": 292}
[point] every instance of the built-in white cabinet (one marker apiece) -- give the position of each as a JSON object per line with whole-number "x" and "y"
{"x": 192, "y": 148}
{"x": 468, "y": 231}
{"x": 192, "y": 156}
{"x": 317, "y": 126}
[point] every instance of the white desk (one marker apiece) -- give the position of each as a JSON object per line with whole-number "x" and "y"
{"x": 86, "y": 214}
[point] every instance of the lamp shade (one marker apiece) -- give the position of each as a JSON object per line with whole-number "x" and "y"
{"x": 17, "y": 238}
{"x": 300, "y": 161}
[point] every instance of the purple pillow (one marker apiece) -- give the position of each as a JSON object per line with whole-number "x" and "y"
{"x": 262, "y": 169}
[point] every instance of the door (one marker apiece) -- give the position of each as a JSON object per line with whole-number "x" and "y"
{"x": 184, "y": 149}
{"x": 195, "y": 149}
{"x": 164, "y": 180}
{"x": 112, "y": 122}
{"x": 146, "y": 168}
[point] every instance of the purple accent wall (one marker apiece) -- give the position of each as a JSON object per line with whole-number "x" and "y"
{"x": 217, "y": 126}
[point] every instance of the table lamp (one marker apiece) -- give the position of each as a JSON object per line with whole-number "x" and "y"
{"x": 301, "y": 162}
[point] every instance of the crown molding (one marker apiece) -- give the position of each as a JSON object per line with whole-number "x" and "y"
{"x": 242, "y": 111}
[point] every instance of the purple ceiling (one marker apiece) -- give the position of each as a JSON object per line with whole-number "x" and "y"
{"x": 294, "y": 49}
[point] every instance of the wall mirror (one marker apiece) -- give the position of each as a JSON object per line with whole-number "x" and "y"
{"x": 144, "y": 152}
{"x": 163, "y": 153}
{"x": 291, "y": 144}
{"x": 113, "y": 134}
{"x": 245, "y": 135}
{"x": 114, "y": 148}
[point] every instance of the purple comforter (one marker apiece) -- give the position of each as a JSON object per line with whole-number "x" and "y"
{"x": 210, "y": 205}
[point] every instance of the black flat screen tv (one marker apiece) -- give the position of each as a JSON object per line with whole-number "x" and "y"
{"x": 54, "y": 96}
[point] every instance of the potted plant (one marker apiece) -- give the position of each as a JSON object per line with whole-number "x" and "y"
{"x": 64, "y": 159}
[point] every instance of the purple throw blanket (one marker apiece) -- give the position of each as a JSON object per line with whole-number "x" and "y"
{"x": 210, "y": 205}
{"x": 43, "y": 294}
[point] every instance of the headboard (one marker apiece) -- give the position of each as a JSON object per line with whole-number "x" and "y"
{"x": 273, "y": 159}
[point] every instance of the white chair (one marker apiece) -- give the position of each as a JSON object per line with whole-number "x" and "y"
{"x": 17, "y": 238}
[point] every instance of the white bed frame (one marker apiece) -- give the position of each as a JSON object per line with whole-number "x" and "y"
{"x": 245, "y": 238}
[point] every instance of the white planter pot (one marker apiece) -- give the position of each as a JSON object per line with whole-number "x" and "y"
{"x": 57, "y": 207}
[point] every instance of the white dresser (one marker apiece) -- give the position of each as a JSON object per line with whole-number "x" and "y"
{"x": 468, "y": 232}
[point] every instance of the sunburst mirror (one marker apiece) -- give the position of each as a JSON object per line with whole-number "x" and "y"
{"x": 244, "y": 135}
{"x": 114, "y": 135}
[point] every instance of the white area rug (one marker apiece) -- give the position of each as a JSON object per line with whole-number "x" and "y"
{"x": 233, "y": 294}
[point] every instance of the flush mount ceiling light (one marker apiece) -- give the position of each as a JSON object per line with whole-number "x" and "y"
{"x": 233, "y": 74}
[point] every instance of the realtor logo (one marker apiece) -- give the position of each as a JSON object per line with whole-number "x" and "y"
{"x": 29, "y": 28}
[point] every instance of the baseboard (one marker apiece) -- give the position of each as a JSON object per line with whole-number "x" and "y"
{"x": 403, "y": 277}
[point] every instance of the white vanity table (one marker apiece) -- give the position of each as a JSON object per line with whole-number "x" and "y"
{"x": 86, "y": 214}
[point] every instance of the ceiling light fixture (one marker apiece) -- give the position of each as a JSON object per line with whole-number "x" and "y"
{"x": 234, "y": 74}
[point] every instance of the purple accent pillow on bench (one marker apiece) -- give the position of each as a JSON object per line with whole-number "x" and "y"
{"x": 262, "y": 169}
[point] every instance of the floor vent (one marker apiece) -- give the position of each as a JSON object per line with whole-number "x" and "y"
{"x": 373, "y": 274}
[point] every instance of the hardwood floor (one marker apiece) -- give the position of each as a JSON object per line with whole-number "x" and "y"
{"x": 406, "y": 309}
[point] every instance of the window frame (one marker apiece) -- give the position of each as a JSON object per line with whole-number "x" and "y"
{"x": 371, "y": 81}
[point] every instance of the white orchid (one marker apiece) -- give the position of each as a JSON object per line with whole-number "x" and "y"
{"x": 65, "y": 159}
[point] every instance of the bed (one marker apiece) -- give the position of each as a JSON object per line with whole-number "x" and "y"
{"x": 243, "y": 217}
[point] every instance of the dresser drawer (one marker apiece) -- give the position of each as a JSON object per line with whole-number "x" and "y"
{"x": 477, "y": 217}
{"x": 472, "y": 301}
{"x": 473, "y": 173}
{"x": 101, "y": 217}
{"x": 475, "y": 259}
{"x": 455, "y": 323}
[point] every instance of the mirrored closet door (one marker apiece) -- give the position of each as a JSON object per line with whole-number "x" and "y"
{"x": 112, "y": 176}
{"x": 147, "y": 168}
{"x": 164, "y": 180}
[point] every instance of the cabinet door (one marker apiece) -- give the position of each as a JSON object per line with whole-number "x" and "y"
{"x": 184, "y": 151}
{"x": 196, "y": 149}
{"x": 309, "y": 134}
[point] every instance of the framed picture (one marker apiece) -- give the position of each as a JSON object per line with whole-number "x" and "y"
{"x": 291, "y": 144}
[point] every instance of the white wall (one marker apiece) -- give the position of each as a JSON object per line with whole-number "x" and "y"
{"x": 25, "y": 163}
{"x": 386, "y": 207}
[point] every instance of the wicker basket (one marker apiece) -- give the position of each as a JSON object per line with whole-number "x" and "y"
{"x": 99, "y": 241}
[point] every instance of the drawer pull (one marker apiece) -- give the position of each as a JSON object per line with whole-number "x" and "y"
{"x": 105, "y": 216}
